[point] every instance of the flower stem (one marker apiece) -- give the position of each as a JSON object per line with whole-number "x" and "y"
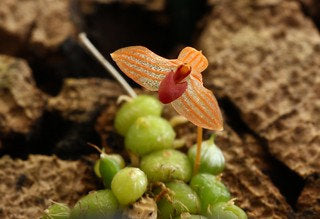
{"x": 95, "y": 147}
{"x": 198, "y": 154}
{"x": 92, "y": 49}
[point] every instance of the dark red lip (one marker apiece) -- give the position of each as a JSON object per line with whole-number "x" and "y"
{"x": 172, "y": 87}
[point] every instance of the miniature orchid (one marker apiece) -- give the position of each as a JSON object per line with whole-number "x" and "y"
{"x": 178, "y": 81}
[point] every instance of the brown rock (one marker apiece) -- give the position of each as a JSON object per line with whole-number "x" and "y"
{"x": 16, "y": 21}
{"x": 52, "y": 25}
{"x": 264, "y": 57}
{"x": 80, "y": 99}
{"x": 253, "y": 190}
{"x": 27, "y": 186}
{"x": 295, "y": 137}
{"x": 42, "y": 25}
{"x": 309, "y": 200}
{"x": 21, "y": 103}
{"x": 104, "y": 125}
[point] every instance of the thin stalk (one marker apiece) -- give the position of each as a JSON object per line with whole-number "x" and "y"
{"x": 198, "y": 154}
{"x": 92, "y": 49}
{"x": 95, "y": 147}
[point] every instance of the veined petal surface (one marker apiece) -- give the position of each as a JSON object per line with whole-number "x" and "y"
{"x": 195, "y": 59}
{"x": 143, "y": 66}
{"x": 199, "y": 106}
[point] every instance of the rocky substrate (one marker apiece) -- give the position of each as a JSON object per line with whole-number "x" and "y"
{"x": 21, "y": 103}
{"x": 29, "y": 186}
{"x": 264, "y": 59}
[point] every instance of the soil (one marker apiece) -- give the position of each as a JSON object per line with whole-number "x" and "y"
{"x": 29, "y": 186}
{"x": 263, "y": 68}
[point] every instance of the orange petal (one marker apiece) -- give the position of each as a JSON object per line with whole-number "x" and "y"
{"x": 194, "y": 58}
{"x": 143, "y": 66}
{"x": 199, "y": 106}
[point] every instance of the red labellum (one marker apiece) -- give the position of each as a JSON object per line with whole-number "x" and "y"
{"x": 172, "y": 87}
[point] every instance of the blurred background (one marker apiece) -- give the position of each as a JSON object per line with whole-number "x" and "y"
{"x": 264, "y": 61}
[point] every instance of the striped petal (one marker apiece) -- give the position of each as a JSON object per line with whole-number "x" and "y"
{"x": 199, "y": 106}
{"x": 143, "y": 66}
{"x": 195, "y": 59}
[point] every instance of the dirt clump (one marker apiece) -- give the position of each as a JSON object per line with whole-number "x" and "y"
{"x": 308, "y": 202}
{"x": 27, "y": 186}
{"x": 21, "y": 103}
{"x": 244, "y": 176}
{"x": 40, "y": 26}
{"x": 80, "y": 99}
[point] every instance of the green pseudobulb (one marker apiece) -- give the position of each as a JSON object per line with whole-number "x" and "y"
{"x": 183, "y": 199}
{"x": 210, "y": 190}
{"x": 226, "y": 210}
{"x": 148, "y": 134}
{"x": 187, "y": 215}
{"x": 129, "y": 184}
{"x": 166, "y": 165}
{"x": 108, "y": 167}
{"x": 98, "y": 204}
{"x": 211, "y": 161}
{"x": 142, "y": 105}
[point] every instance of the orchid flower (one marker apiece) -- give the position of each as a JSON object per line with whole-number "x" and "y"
{"x": 178, "y": 81}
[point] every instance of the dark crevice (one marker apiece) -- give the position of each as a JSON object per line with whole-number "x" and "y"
{"x": 14, "y": 145}
{"x": 116, "y": 25}
{"x": 186, "y": 19}
{"x": 53, "y": 135}
{"x": 233, "y": 117}
{"x": 289, "y": 183}
{"x": 70, "y": 60}
{"x": 28, "y": 35}
{"x": 311, "y": 9}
